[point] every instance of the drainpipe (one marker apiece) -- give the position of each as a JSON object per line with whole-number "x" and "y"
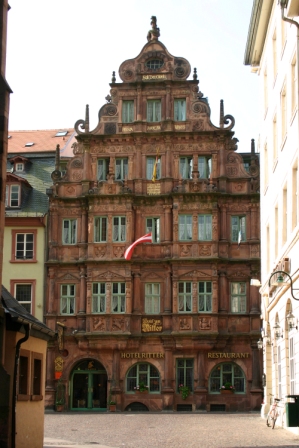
{"x": 14, "y": 394}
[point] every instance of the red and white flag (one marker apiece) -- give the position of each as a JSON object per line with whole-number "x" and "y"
{"x": 144, "y": 239}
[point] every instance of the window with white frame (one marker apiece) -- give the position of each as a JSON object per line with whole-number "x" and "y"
{"x": 67, "y": 299}
{"x": 204, "y": 227}
{"x": 292, "y": 361}
{"x": 69, "y": 231}
{"x": 185, "y": 297}
{"x": 184, "y": 373}
{"x": 153, "y": 163}
{"x": 103, "y": 169}
{"x": 204, "y": 297}
{"x": 143, "y": 374}
{"x": 283, "y": 111}
{"x": 153, "y": 226}
{"x": 24, "y": 246}
{"x": 279, "y": 371}
{"x": 152, "y": 298}
{"x": 238, "y": 297}
{"x": 23, "y": 294}
{"x": 127, "y": 111}
{"x": 13, "y": 196}
{"x": 153, "y": 111}
{"x": 180, "y": 109}
{"x": 238, "y": 228}
{"x": 186, "y": 167}
{"x": 185, "y": 227}
{"x": 121, "y": 169}
{"x": 227, "y": 373}
{"x": 119, "y": 228}
{"x": 118, "y": 297}
{"x": 204, "y": 167}
{"x": 99, "y": 297}
{"x": 293, "y": 85}
{"x": 19, "y": 166}
{"x": 100, "y": 229}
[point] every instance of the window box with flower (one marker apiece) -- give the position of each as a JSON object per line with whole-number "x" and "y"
{"x": 185, "y": 391}
{"x": 141, "y": 387}
{"x": 227, "y": 388}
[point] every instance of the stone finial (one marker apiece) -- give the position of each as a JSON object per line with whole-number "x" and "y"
{"x": 57, "y": 157}
{"x": 87, "y": 118}
{"x": 195, "y": 74}
{"x": 154, "y": 33}
{"x": 113, "y": 77}
{"x": 221, "y": 114}
{"x": 252, "y": 146}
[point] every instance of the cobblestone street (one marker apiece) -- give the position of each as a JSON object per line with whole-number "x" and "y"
{"x": 204, "y": 430}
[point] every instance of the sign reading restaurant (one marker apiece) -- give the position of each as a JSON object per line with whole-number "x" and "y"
{"x": 228, "y": 355}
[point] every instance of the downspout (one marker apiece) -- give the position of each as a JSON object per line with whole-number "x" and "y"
{"x": 14, "y": 394}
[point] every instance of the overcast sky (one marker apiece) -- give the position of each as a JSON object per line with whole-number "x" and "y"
{"x": 61, "y": 54}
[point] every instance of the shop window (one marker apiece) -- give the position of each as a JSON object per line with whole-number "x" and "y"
{"x": 100, "y": 229}
{"x": 238, "y": 297}
{"x": 153, "y": 110}
{"x": 185, "y": 227}
{"x": 118, "y": 298}
{"x": 23, "y": 375}
{"x": 179, "y": 110}
{"x": 143, "y": 375}
{"x": 128, "y": 111}
{"x": 119, "y": 228}
{"x": 185, "y": 297}
{"x": 99, "y": 297}
{"x": 204, "y": 297}
{"x": 69, "y": 232}
{"x": 36, "y": 369}
{"x": 184, "y": 373}
{"x": 205, "y": 227}
{"x": 67, "y": 299}
{"x": 152, "y": 298}
{"x": 227, "y": 373}
{"x": 153, "y": 168}
{"x": 238, "y": 229}
{"x": 13, "y": 196}
{"x": 204, "y": 167}
{"x": 103, "y": 169}
{"x": 153, "y": 226}
{"x": 186, "y": 167}
{"x": 121, "y": 169}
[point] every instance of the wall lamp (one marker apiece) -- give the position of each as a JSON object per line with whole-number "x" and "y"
{"x": 279, "y": 281}
{"x": 277, "y": 331}
{"x": 291, "y": 321}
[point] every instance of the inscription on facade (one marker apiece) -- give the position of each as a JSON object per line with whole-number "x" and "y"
{"x": 153, "y": 77}
{"x": 153, "y": 189}
{"x": 151, "y": 325}
{"x": 180, "y": 127}
{"x": 141, "y": 355}
{"x": 153, "y": 128}
{"x": 127, "y": 129}
{"x": 228, "y": 355}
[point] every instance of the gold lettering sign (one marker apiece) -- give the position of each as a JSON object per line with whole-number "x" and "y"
{"x": 151, "y": 325}
{"x": 215, "y": 355}
{"x": 153, "y": 189}
{"x": 153, "y": 77}
{"x": 58, "y": 364}
{"x": 179, "y": 127}
{"x": 153, "y": 128}
{"x": 125, "y": 355}
{"x": 127, "y": 129}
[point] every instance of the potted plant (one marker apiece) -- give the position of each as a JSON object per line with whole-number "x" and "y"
{"x": 184, "y": 390}
{"x": 141, "y": 387}
{"x": 112, "y": 406}
{"x": 59, "y": 397}
{"x": 227, "y": 388}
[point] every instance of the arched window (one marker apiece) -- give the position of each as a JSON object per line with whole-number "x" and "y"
{"x": 227, "y": 373}
{"x": 143, "y": 375}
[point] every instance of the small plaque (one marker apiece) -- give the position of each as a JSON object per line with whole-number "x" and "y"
{"x": 153, "y": 189}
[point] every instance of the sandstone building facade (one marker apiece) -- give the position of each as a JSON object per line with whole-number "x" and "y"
{"x": 180, "y": 316}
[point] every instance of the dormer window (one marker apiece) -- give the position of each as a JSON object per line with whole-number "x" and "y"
{"x": 20, "y": 166}
{"x": 29, "y": 144}
{"x": 154, "y": 64}
{"x": 12, "y": 197}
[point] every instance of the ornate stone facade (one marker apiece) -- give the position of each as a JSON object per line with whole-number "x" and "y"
{"x": 156, "y": 164}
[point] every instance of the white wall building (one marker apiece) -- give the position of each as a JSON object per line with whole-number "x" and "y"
{"x": 272, "y": 51}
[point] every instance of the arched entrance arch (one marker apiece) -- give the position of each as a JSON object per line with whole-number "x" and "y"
{"x": 88, "y": 386}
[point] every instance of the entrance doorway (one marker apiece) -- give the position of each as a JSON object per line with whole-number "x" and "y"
{"x": 89, "y": 387}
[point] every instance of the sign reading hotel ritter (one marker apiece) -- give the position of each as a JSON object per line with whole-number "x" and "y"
{"x": 141, "y": 355}
{"x": 151, "y": 325}
{"x": 215, "y": 355}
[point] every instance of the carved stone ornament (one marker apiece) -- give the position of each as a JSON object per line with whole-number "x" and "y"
{"x": 204, "y": 323}
{"x": 99, "y": 324}
{"x": 185, "y": 323}
{"x": 58, "y": 363}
